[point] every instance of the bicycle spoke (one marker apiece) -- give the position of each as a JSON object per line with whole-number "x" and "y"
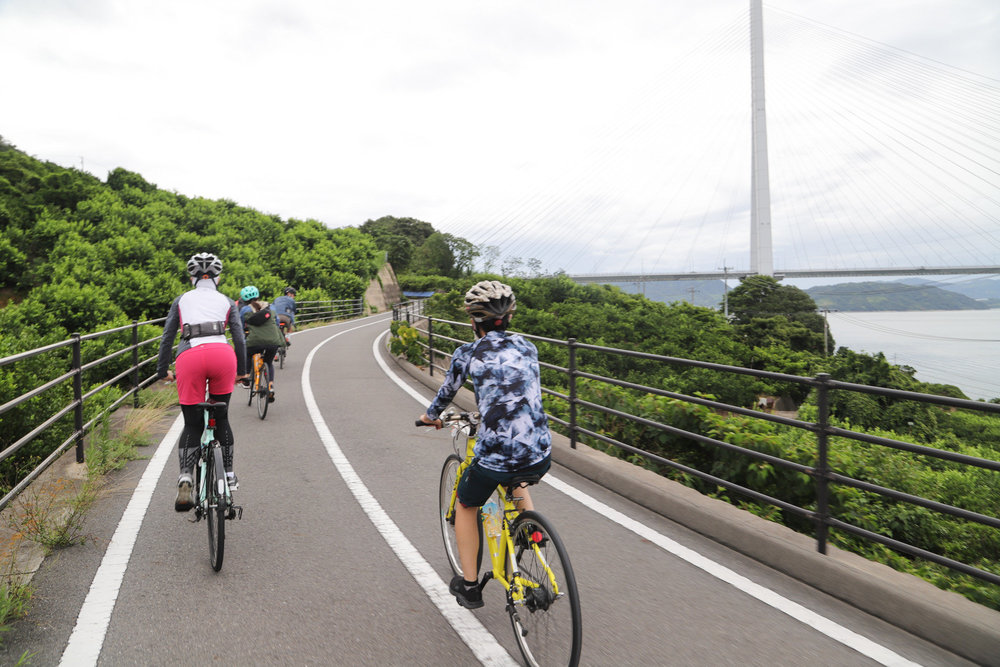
{"x": 545, "y": 613}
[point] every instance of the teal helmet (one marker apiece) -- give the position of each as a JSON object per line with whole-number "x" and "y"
{"x": 249, "y": 293}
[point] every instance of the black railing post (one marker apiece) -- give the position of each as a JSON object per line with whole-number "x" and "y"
{"x": 822, "y": 462}
{"x": 135, "y": 363}
{"x": 430, "y": 346}
{"x": 78, "y": 397}
{"x": 572, "y": 392}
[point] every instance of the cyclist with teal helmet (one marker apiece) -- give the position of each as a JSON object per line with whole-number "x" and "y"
{"x": 260, "y": 322}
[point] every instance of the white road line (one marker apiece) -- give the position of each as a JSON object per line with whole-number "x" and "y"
{"x": 482, "y": 644}
{"x": 84, "y": 647}
{"x": 835, "y": 631}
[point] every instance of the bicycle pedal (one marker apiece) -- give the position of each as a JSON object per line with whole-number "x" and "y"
{"x": 235, "y": 512}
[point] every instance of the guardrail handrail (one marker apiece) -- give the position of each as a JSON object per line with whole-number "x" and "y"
{"x": 308, "y": 311}
{"x": 820, "y": 472}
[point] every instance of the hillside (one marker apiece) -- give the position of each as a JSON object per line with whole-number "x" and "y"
{"x": 985, "y": 289}
{"x": 76, "y": 251}
{"x": 894, "y": 296}
{"x": 707, "y": 293}
{"x": 907, "y": 294}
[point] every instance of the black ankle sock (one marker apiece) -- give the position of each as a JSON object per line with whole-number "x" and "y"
{"x": 470, "y": 584}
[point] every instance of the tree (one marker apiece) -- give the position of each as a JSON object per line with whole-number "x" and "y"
{"x": 490, "y": 255}
{"x": 434, "y": 256}
{"x": 463, "y": 254}
{"x": 767, "y": 313}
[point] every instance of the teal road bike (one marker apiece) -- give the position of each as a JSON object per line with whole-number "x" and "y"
{"x": 215, "y": 498}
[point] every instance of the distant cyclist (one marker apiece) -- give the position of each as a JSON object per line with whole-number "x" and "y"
{"x": 284, "y": 305}
{"x": 203, "y": 315}
{"x": 263, "y": 333}
{"x": 513, "y": 437}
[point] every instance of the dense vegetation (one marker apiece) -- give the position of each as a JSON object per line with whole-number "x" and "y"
{"x": 773, "y": 328}
{"x": 414, "y": 246}
{"x": 78, "y": 254}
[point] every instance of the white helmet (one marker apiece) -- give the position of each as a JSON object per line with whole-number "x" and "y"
{"x": 490, "y": 299}
{"x": 204, "y": 265}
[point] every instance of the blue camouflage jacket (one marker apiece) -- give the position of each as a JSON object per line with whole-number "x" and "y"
{"x": 503, "y": 367}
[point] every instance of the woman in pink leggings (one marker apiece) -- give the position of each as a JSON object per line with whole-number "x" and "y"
{"x": 205, "y": 362}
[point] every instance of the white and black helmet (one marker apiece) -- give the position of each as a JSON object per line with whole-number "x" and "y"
{"x": 489, "y": 299}
{"x": 204, "y": 265}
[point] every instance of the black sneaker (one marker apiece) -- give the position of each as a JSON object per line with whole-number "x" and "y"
{"x": 470, "y": 598}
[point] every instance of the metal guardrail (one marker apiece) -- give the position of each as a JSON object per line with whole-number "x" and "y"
{"x": 75, "y": 374}
{"x": 308, "y": 311}
{"x": 315, "y": 311}
{"x": 821, "y": 474}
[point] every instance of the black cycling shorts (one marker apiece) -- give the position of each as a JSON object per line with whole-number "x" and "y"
{"x": 478, "y": 483}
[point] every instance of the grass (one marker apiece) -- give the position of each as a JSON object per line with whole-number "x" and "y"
{"x": 52, "y": 514}
{"x": 15, "y": 595}
{"x": 46, "y": 516}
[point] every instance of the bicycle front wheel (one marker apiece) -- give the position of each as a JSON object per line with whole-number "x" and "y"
{"x": 262, "y": 393}
{"x": 546, "y": 620}
{"x": 449, "y": 478}
{"x": 215, "y": 512}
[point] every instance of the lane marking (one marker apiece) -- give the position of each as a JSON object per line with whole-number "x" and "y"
{"x": 835, "y": 631}
{"x": 479, "y": 640}
{"x": 87, "y": 639}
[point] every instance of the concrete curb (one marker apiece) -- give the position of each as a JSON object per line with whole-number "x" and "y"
{"x": 906, "y": 601}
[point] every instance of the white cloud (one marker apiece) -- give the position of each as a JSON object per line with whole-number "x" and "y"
{"x": 599, "y": 133}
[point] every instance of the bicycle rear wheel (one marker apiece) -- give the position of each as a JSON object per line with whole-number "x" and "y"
{"x": 547, "y": 621}
{"x": 449, "y": 477}
{"x": 215, "y": 511}
{"x": 262, "y": 393}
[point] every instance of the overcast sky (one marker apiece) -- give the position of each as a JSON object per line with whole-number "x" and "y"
{"x": 594, "y": 136}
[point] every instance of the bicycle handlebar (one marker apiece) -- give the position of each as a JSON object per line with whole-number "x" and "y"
{"x": 452, "y": 416}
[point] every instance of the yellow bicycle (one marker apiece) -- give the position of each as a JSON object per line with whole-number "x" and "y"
{"x": 528, "y": 557}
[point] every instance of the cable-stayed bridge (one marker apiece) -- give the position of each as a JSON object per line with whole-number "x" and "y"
{"x": 868, "y": 161}
{"x": 802, "y": 273}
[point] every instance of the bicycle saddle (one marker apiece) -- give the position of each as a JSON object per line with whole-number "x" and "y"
{"x": 217, "y": 409}
{"x": 524, "y": 480}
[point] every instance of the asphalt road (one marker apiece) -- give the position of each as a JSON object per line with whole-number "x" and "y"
{"x": 338, "y": 558}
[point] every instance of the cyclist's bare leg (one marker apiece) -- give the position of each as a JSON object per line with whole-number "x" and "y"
{"x": 467, "y": 536}
{"x": 522, "y": 500}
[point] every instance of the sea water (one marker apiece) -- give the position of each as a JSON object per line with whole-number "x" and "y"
{"x": 958, "y": 347}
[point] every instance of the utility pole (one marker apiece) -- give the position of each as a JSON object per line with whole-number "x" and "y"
{"x": 725, "y": 287}
{"x": 692, "y": 290}
{"x": 826, "y": 331}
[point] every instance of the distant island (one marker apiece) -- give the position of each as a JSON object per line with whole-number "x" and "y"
{"x": 907, "y": 294}
{"x": 899, "y": 295}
